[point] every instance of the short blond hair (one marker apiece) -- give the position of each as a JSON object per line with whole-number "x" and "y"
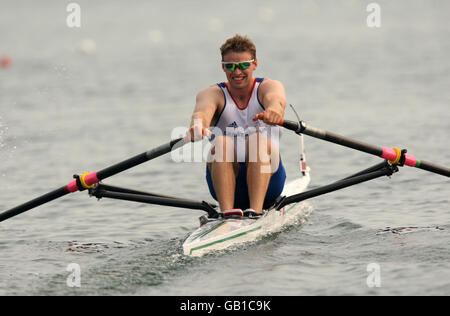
{"x": 238, "y": 44}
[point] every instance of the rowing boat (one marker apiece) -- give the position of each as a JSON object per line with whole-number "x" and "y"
{"x": 221, "y": 233}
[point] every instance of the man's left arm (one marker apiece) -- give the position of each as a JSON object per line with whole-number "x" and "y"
{"x": 273, "y": 98}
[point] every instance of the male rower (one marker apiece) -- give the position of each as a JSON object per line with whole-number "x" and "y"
{"x": 245, "y": 173}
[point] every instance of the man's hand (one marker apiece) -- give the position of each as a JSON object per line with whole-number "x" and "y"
{"x": 273, "y": 98}
{"x": 272, "y": 115}
{"x": 196, "y": 132}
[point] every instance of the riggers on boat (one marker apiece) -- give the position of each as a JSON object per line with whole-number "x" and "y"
{"x": 220, "y": 230}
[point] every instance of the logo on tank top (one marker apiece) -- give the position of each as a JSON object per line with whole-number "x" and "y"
{"x": 233, "y": 125}
{"x": 234, "y": 130}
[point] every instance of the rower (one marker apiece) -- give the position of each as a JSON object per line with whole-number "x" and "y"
{"x": 245, "y": 169}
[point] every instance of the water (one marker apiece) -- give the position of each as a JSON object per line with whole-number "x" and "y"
{"x": 66, "y": 110}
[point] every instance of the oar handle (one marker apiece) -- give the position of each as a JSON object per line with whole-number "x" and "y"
{"x": 260, "y": 116}
{"x": 293, "y": 126}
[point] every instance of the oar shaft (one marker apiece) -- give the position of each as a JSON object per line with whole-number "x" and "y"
{"x": 34, "y": 203}
{"x": 383, "y": 152}
{"x": 343, "y": 141}
{"x": 93, "y": 178}
{"x": 332, "y": 137}
{"x": 434, "y": 168}
{"x": 138, "y": 159}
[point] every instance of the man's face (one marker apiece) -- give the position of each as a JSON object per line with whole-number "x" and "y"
{"x": 239, "y": 79}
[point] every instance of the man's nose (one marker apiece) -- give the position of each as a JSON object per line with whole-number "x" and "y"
{"x": 237, "y": 70}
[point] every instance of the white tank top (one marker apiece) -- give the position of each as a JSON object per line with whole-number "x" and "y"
{"x": 238, "y": 122}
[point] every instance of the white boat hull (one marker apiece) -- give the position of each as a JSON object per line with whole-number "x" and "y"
{"x": 222, "y": 233}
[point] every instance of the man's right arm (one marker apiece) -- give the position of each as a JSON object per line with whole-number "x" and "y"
{"x": 205, "y": 107}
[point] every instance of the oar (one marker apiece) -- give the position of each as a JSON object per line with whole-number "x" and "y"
{"x": 394, "y": 155}
{"x": 88, "y": 180}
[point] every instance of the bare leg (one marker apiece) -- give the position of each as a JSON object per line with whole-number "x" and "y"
{"x": 263, "y": 161}
{"x": 224, "y": 169}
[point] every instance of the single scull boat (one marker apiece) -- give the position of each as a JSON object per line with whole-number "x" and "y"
{"x": 223, "y": 232}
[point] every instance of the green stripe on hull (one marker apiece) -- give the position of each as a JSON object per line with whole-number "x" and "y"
{"x": 231, "y": 237}
{"x": 290, "y": 208}
{"x": 225, "y": 239}
{"x": 212, "y": 229}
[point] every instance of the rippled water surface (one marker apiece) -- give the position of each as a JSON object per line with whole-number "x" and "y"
{"x": 67, "y": 106}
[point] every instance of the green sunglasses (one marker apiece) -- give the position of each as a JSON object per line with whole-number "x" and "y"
{"x": 241, "y": 65}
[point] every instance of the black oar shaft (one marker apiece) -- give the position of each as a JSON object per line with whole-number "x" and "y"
{"x": 333, "y": 138}
{"x": 138, "y": 159}
{"x": 382, "y": 152}
{"x": 425, "y": 165}
{"x": 100, "y": 175}
{"x": 344, "y": 141}
{"x": 34, "y": 203}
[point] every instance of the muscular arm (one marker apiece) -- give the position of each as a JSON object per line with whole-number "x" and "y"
{"x": 207, "y": 102}
{"x": 273, "y": 98}
{"x": 205, "y": 107}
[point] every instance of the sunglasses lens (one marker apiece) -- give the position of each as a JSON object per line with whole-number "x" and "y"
{"x": 230, "y": 66}
{"x": 244, "y": 66}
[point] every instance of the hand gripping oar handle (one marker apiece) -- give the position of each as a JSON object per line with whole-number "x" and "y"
{"x": 88, "y": 180}
{"x": 394, "y": 155}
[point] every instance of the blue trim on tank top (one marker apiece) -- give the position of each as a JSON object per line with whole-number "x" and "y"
{"x": 222, "y": 85}
{"x": 260, "y": 80}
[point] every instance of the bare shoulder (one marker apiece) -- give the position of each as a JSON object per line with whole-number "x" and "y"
{"x": 208, "y": 103}
{"x": 209, "y": 98}
{"x": 271, "y": 86}
{"x": 211, "y": 93}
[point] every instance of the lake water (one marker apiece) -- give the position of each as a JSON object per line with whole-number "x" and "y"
{"x": 81, "y": 99}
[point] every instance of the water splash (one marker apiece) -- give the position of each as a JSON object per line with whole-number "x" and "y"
{"x": 408, "y": 230}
